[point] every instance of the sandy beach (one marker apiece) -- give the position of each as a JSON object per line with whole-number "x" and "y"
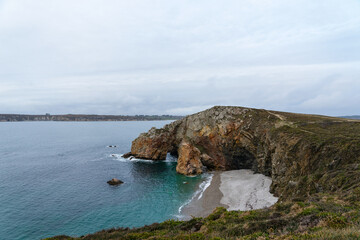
{"x": 234, "y": 190}
{"x": 209, "y": 200}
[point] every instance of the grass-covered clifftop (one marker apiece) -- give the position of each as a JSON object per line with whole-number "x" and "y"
{"x": 314, "y": 162}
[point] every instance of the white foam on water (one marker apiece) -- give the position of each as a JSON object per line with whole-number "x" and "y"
{"x": 120, "y": 158}
{"x": 199, "y": 193}
{"x": 204, "y": 185}
{"x": 170, "y": 158}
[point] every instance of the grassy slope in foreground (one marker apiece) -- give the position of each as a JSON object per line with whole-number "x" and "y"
{"x": 330, "y": 208}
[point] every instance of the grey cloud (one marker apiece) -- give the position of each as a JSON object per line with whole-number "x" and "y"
{"x": 155, "y": 57}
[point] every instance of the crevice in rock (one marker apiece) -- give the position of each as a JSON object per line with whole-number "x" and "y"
{"x": 174, "y": 152}
{"x": 240, "y": 158}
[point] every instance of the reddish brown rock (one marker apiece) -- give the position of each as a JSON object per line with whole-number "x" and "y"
{"x": 152, "y": 145}
{"x": 189, "y": 162}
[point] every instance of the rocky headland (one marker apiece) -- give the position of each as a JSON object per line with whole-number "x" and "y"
{"x": 313, "y": 161}
{"x": 301, "y": 153}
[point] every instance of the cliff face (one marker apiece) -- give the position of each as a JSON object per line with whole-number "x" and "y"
{"x": 302, "y": 153}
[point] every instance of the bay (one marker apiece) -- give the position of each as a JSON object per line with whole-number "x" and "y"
{"x": 53, "y": 179}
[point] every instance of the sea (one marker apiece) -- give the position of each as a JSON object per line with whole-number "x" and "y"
{"x": 53, "y": 180}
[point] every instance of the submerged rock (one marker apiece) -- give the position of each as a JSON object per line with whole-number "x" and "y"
{"x": 127, "y": 155}
{"x": 115, "y": 181}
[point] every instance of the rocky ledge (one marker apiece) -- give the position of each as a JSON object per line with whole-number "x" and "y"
{"x": 302, "y": 153}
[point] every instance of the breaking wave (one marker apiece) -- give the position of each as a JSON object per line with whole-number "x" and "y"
{"x": 119, "y": 157}
{"x": 199, "y": 193}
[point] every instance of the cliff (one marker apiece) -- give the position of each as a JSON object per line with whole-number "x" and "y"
{"x": 314, "y": 162}
{"x": 302, "y": 153}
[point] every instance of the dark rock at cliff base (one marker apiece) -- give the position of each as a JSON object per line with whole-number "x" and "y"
{"x": 127, "y": 155}
{"x": 115, "y": 181}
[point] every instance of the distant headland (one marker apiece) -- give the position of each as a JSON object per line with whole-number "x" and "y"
{"x": 84, "y": 117}
{"x": 351, "y": 117}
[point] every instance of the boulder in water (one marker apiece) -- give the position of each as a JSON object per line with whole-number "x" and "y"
{"x": 115, "y": 181}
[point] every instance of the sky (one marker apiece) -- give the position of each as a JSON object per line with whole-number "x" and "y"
{"x": 179, "y": 57}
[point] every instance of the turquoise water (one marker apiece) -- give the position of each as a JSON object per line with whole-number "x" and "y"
{"x": 53, "y": 179}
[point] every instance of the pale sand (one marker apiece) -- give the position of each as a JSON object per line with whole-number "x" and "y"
{"x": 234, "y": 190}
{"x": 243, "y": 190}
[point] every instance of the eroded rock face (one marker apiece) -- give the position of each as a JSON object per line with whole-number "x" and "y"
{"x": 189, "y": 162}
{"x": 285, "y": 146}
{"x": 152, "y": 145}
{"x": 217, "y": 139}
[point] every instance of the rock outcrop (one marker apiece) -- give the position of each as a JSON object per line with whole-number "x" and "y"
{"x": 189, "y": 162}
{"x": 115, "y": 182}
{"x": 298, "y": 151}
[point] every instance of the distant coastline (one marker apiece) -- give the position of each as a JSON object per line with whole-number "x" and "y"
{"x": 84, "y": 117}
{"x": 351, "y": 117}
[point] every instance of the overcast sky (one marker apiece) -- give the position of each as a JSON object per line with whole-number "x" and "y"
{"x": 179, "y": 57}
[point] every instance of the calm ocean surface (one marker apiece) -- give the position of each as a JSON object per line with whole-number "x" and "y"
{"x": 53, "y": 179}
